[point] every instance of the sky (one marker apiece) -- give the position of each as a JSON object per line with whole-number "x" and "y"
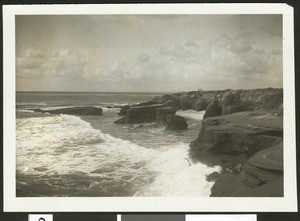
{"x": 147, "y": 53}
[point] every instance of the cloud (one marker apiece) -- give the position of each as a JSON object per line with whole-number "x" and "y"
{"x": 144, "y": 57}
{"x": 180, "y": 49}
{"x": 118, "y": 52}
{"x": 240, "y": 46}
{"x": 41, "y": 64}
{"x": 221, "y": 60}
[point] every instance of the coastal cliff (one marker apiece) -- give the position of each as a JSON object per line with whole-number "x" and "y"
{"x": 242, "y": 131}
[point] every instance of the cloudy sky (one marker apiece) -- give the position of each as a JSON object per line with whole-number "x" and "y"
{"x": 146, "y": 53}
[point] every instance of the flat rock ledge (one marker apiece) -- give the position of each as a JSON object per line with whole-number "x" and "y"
{"x": 79, "y": 111}
{"x": 249, "y": 147}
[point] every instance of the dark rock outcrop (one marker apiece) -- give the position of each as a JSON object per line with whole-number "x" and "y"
{"x": 213, "y": 177}
{"x": 79, "y": 111}
{"x": 123, "y": 110}
{"x": 186, "y": 102}
{"x": 254, "y": 137}
{"x": 142, "y": 114}
{"x": 213, "y": 109}
{"x": 242, "y": 131}
{"x": 233, "y": 101}
{"x": 217, "y": 103}
{"x": 149, "y": 111}
{"x": 177, "y": 123}
{"x": 202, "y": 101}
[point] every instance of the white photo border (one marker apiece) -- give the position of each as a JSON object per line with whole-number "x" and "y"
{"x": 288, "y": 203}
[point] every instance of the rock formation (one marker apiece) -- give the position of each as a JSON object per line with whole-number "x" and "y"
{"x": 242, "y": 131}
{"x": 149, "y": 111}
{"x": 220, "y": 102}
{"x": 79, "y": 111}
{"x": 177, "y": 123}
{"x": 249, "y": 147}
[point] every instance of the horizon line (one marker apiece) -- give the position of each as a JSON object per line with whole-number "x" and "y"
{"x": 146, "y": 92}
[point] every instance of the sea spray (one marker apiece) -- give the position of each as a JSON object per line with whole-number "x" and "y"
{"x": 197, "y": 115}
{"x": 177, "y": 175}
{"x": 63, "y": 155}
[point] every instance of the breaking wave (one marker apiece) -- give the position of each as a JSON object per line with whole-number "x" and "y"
{"x": 63, "y": 145}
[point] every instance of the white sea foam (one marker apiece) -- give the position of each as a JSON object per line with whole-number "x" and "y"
{"x": 66, "y": 144}
{"x": 197, "y": 115}
{"x": 31, "y": 103}
{"x": 56, "y": 107}
{"x": 178, "y": 176}
{"x": 111, "y": 109}
{"x": 25, "y": 111}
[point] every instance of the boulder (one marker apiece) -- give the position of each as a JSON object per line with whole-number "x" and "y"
{"x": 150, "y": 111}
{"x": 177, "y": 123}
{"x": 122, "y": 120}
{"x": 142, "y": 114}
{"x": 80, "y": 111}
{"x": 213, "y": 109}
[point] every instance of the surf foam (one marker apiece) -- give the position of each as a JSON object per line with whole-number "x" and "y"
{"x": 197, "y": 115}
{"x": 63, "y": 144}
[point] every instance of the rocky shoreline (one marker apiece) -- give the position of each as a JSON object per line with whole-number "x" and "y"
{"x": 242, "y": 131}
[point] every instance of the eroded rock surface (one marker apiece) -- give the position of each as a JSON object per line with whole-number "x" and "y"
{"x": 177, "y": 123}
{"x": 256, "y": 137}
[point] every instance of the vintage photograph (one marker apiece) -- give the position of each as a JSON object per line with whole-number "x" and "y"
{"x": 149, "y": 105}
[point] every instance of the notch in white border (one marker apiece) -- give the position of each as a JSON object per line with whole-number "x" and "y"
{"x": 221, "y": 217}
{"x": 40, "y": 217}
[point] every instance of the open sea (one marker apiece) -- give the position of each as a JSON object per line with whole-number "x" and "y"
{"x": 65, "y": 155}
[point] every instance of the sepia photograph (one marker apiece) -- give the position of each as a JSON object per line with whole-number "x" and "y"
{"x": 144, "y": 105}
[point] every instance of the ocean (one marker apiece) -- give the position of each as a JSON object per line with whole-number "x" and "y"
{"x": 91, "y": 156}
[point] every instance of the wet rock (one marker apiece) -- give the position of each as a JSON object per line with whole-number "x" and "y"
{"x": 213, "y": 177}
{"x": 177, "y": 123}
{"x": 124, "y": 110}
{"x": 150, "y": 112}
{"x": 122, "y": 120}
{"x": 142, "y": 114}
